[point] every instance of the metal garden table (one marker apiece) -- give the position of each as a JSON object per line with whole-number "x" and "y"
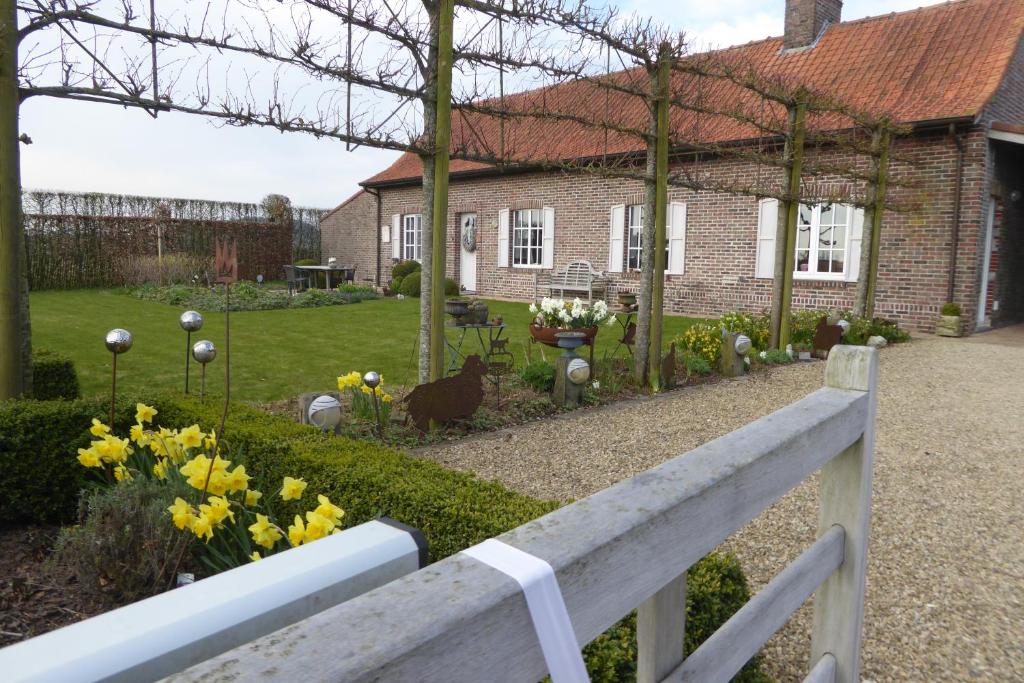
{"x": 493, "y": 331}
{"x": 327, "y": 270}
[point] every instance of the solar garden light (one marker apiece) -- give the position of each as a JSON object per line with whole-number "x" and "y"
{"x": 190, "y": 321}
{"x": 325, "y": 413}
{"x": 204, "y": 352}
{"x": 372, "y": 380}
{"x": 118, "y": 341}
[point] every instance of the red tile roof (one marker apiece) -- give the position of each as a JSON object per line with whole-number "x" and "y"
{"x": 933, "y": 63}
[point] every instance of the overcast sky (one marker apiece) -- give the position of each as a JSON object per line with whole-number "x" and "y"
{"x": 94, "y": 147}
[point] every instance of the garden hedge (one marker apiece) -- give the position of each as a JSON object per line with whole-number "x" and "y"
{"x": 40, "y": 479}
{"x": 53, "y": 376}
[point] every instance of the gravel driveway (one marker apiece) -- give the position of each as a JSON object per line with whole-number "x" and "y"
{"x": 946, "y": 571}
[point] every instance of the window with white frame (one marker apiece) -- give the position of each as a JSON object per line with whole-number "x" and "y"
{"x": 634, "y": 240}
{"x": 528, "y": 237}
{"x": 412, "y": 237}
{"x": 821, "y": 240}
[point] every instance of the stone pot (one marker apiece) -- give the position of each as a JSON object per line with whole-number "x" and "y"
{"x": 546, "y": 335}
{"x": 627, "y": 299}
{"x": 948, "y": 326}
{"x": 456, "y": 307}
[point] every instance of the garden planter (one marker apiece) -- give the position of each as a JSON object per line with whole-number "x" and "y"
{"x": 948, "y": 326}
{"x": 546, "y": 335}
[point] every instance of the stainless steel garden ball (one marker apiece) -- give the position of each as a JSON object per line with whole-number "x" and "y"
{"x": 325, "y": 412}
{"x": 118, "y": 340}
{"x": 191, "y": 321}
{"x": 743, "y": 344}
{"x": 204, "y": 351}
{"x": 371, "y": 379}
{"x": 578, "y": 371}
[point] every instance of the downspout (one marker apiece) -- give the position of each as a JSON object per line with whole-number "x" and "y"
{"x": 958, "y": 140}
{"x": 376, "y": 232}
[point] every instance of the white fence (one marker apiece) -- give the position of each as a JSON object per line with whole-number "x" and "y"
{"x": 166, "y": 633}
{"x": 625, "y": 547}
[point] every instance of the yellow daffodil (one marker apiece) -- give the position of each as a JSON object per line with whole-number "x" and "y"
{"x": 112, "y": 449}
{"x": 190, "y": 437}
{"x": 197, "y": 469}
{"x": 297, "y": 532}
{"x": 201, "y": 526}
{"x": 98, "y": 428}
{"x": 210, "y": 441}
{"x": 89, "y": 457}
{"x": 181, "y": 513}
{"x": 292, "y": 488}
{"x": 160, "y": 468}
{"x": 139, "y": 435}
{"x": 264, "y": 533}
{"x": 217, "y": 510}
{"x": 144, "y": 413}
{"x": 329, "y": 509}
{"x": 386, "y": 398}
{"x": 252, "y": 496}
{"x": 121, "y": 473}
{"x": 317, "y": 527}
{"x": 238, "y": 480}
{"x": 255, "y": 556}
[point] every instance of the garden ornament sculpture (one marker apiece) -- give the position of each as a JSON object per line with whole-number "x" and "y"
{"x": 571, "y": 371}
{"x": 449, "y": 398}
{"x": 826, "y": 336}
{"x": 190, "y": 321}
{"x": 118, "y": 341}
{"x": 372, "y": 381}
{"x": 204, "y": 352}
{"x": 325, "y": 413}
{"x": 668, "y": 368}
{"x": 734, "y": 353}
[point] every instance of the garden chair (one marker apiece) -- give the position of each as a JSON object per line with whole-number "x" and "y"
{"x": 296, "y": 282}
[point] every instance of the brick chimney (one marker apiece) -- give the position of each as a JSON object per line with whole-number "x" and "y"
{"x": 806, "y": 18}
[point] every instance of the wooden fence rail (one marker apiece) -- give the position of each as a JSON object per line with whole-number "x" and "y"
{"x": 625, "y": 547}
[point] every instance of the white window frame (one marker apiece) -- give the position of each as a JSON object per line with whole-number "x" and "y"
{"x": 412, "y": 237}
{"x": 532, "y": 229}
{"x": 634, "y": 235}
{"x": 814, "y": 245}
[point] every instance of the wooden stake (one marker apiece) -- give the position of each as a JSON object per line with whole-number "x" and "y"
{"x": 442, "y": 140}
{"x": 660, "y": 220}
{"x": 11, "y": 237}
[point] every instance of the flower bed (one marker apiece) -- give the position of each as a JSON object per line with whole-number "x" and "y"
{"x": 247, "y": 296}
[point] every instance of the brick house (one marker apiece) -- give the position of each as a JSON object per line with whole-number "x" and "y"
{"x": 954, "y": 72}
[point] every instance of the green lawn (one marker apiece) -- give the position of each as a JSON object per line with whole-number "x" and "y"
{"x": 274, "y": 354}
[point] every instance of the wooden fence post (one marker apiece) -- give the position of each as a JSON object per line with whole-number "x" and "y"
{"x": 844, "y": 497}
{"x": 660, "y": 632}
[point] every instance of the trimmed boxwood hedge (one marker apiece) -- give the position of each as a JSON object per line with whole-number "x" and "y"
{"x": 40, "y": 479}
{"x": 53, "y": 376}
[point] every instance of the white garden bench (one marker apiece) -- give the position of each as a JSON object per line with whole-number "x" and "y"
{"x": 578, "y": 278}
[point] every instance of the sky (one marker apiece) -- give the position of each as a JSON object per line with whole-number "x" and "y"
{"x": 101, "y": 148}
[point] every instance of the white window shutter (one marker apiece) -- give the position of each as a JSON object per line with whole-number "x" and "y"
{"x": 385, "y": 233}
{"x": 767, "y": 225}
{"x": 676, "y": 230}
{"x": 853, "y": 251}
{"x": 503, "y": 230}
{"x": 548, "y": 256}
{"x": 396, "y": 236}
{"x": 616, "y": 245}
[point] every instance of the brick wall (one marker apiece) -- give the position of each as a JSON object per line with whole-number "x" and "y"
{"x": 348, "y": 234}
{"x": 721, "y": 235}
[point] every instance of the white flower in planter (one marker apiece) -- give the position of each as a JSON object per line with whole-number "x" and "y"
{"x": 533, "y": 309}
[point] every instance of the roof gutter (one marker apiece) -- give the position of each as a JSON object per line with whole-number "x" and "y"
{"x": 376, "y": 239}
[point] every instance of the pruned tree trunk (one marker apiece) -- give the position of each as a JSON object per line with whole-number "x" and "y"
{"x": 660, "y": 221}
{"x": 429, "y": 103}
{"x": 643, "y": 314}
{"x": 14, "y": 342}
{"x": 795, "y": 170}
{"x": 876, "y": 222}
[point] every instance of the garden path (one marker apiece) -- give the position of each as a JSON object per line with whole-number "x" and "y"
{"x": 945, "y": 585}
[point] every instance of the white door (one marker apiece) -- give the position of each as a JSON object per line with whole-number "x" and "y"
{"x": 467, "y": 257}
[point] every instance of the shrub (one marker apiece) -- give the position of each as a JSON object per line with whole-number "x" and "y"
{"x": 403, "y": 268}
{"x": 776, "y": 357}
{"x": 411, "y": 284}
{"x": 754, "y": 326}
{"x": 124, "y": 547}
{"x": 396, "y": 284}
{"x": 803, "y": 325}
{"x": 539, "y": 376}
{"x": 702, "y": 339}
{"x": 53, "y": 376}
{"x": 451, "y": 287}
{"x": 696, "y": 365}
{"x": 950, "y": 309}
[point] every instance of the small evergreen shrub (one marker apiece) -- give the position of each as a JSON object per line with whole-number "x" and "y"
{"x": 411, "y": 284}
{"x": 950, "y": 309}
{"x": 53, "y": 376}
{"x": 539, "y": 376}
{"x": 696, "y": 364}
{"x": 451, "y": 287}
{"x": 403, "y": 268}
{"x": 776, "y": 357}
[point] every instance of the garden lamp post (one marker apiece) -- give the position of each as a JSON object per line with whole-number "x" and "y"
{"x": 190, "y": 321}
{"x": 204, "y": 351}
{"x": 372, "y": 380}
{"x": 118, "y": 341}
